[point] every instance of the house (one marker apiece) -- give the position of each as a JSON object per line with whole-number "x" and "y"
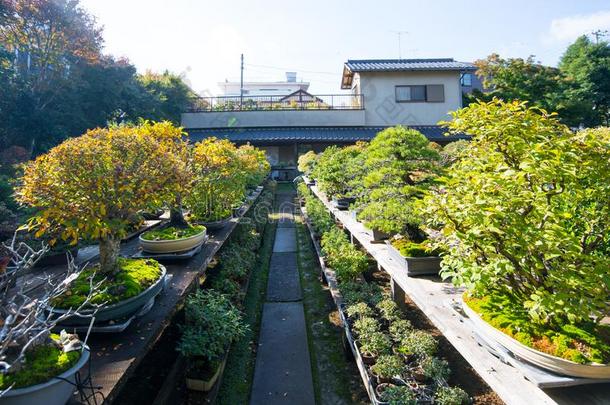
{"x": 376, "y": 94}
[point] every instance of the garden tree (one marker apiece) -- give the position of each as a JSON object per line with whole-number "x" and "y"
{"x": 94, "y": 185}
{"x": 307, "y": 162}
{"x": 170, "y": 96}
{"x": 587, "y": 66}
{"x": 254, "y": 163}
{"x": 399, "y": 166}
{"x": 524, "y": 213}
{"x": 338, "y": 169}
{"x": 219, "y": 179}
{"x": 519, "y": 79}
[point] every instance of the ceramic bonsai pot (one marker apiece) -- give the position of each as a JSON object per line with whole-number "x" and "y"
{"x": 56, "y": 391}
{"x": 415, "y": 266}
{"x": 343, "y": 203}
{"x": 118, "y": 310}
{"x": 535, "y": 357}
{"x": 174, "y": 245}
{"x": 215, "y": 225}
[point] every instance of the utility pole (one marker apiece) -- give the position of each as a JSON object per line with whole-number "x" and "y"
{"x": 241, "y": 83}
{"x": 399, "y": 33}
{"x": 598, "y": 34}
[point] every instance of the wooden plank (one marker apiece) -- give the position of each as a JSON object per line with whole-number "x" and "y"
{"x": 431, "y": 295}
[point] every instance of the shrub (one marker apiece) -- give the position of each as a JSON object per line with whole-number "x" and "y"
{"x": 524, "y": 213}
{"x": 419, "y": 343}
{"x": 399, "y": 329}
{"x": 388, "y": 366}
{"x": 399, "y": 395}
{"x": 212, "y": 324}
{"x": 451, "y": 396}
{"x": 435, "y": 368}
{"x": 375, "y": 343}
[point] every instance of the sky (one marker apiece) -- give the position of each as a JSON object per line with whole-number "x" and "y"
{"x": 203, "y": 39}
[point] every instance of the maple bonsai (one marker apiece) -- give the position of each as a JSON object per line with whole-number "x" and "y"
{"x": 94, "y": 185}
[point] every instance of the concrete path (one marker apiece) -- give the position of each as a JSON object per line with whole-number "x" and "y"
{"x": 282, "y": 373}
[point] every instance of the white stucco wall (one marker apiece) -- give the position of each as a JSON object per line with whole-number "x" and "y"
{"x": 380, "y": 103}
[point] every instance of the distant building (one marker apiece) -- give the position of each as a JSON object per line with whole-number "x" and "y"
{"x": 264, "y": 88}
{"x": 379, "y": 93}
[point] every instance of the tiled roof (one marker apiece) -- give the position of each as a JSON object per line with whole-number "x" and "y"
{"x": 396, "y": 65}
{"x": 310, "y": 134}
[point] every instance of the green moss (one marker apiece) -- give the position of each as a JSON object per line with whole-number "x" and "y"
{"x": 41, "y": 364}
{"x": 134, "y": 277}
{"x": 412, "y": 249}
{"x": 583, "y": 343}
{"x": 173, "y": 233}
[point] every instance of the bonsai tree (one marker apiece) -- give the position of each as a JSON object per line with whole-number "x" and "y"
{"x": 220, "y": 181}
{"x": 337, "y": 169}
{"x": 524, "y": 215}
{"x": 307, "y": 162}
{"x": 94, "y": 185}
{"x": 254, "y": 163}
{"x": 399, "y": 164}
{"x": 212, "y": 324}
{"x": 173, "y": 140}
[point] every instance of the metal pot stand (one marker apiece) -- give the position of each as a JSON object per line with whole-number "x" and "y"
{"x": 538, "y": 376}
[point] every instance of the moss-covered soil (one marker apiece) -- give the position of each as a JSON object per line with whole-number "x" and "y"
{"x": 584, "y": 343}
{"x": 173, "y": 233}
{"x": 136, "y": 275}
{"x": 41, "y": 364}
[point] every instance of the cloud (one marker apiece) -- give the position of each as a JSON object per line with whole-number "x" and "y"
{"x": 569, "y": 28}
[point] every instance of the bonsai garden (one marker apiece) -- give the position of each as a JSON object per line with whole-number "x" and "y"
{"x": 141, "y": 263}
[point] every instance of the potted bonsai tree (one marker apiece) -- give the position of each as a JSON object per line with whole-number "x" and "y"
{"x": 337, "y": 172}
{"x": 37, "y": 365}
{"x": 178, "y": 235}
{"x": 91, "y": 187}
{"x": 212, "y": 323}
{"x": 400, "y": 165}
{"x": 524, "y": 215}
{"x": 220, "y": 182}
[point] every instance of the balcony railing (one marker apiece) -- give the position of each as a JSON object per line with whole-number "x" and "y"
{"x": 277, "y": 103}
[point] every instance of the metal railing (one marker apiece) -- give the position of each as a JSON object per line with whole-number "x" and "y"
{"x": 277, "y": 103}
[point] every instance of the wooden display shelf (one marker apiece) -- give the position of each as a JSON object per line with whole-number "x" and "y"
{"x": 434, "y": 298}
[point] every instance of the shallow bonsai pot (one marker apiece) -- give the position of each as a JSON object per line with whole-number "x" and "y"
{"x": 215, "y": 225}
{"x": 117, "y": 310}
{"x": 56, "y": 391}
{"x": 343, "y": 203}
{"x": 56, "y": 258}
{"x": 379, "y": 236}
{"x": 535, "y": 357}
{"x": 196, "y": 384}
{"x": 174, "y": 245}
{"x": 415, "y": 266}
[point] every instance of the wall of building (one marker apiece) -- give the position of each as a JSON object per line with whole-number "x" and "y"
{"x": 380, "y": 97}
{"x": 278, "y": 118}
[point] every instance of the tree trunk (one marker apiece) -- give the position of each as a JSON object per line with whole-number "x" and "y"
{"x": 109, "y": 256}
{"x": 176, "y": 218}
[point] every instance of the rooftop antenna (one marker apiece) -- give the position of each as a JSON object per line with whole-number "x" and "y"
{"x": 399, "y": 34}
{"x": 599, "y": 34}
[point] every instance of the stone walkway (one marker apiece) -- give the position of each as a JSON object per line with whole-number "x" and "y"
{"x": 282, "y": 373}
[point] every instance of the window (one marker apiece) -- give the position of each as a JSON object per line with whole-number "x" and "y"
{"x": 407, "y": 94}
{"x": 430, "y": 93}
{"x": 467, "y": 80}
